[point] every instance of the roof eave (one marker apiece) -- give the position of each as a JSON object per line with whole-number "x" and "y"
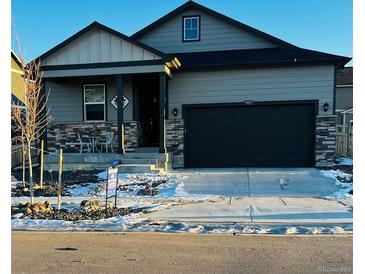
{"x": 261, "y": 64}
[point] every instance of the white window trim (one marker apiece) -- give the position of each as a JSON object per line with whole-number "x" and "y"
{"x": 198, "y": 28}
{"x": 93, "y": 103}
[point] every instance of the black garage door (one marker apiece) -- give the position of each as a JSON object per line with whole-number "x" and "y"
{"x": 258, "y": 135}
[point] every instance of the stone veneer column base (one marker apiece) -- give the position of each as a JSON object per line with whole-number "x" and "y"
{"x": 175, "y": 141}
{"x": 133, "y": 131}
{"x": 325, "y": 140}
{"x": 64, "y": 135}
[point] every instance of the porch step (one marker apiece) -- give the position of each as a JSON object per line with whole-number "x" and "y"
{"x": 135, "y": 168}
{"x": 146, "y": 149}
{"x": 140, "y": 155}
{"x": 142, "y": 161}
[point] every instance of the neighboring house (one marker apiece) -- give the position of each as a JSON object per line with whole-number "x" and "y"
{"x": 17, "y": 100}
{"x": 17, "y": 88}
{"x": 17, "y": 80}
{"x": 344, "y": 99}
{"x": 210, "y": 90}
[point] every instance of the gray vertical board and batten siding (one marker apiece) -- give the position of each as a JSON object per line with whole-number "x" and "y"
{"x": 65, "y": 101}
{"x": 98, "y": 46}
{"x": 260, "y": 84}
{"x": 215, "y": 35}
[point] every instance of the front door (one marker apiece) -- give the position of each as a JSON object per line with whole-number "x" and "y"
{"x": 147, "y": 93}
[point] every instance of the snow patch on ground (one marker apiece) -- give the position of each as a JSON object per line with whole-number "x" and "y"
{"x": 136, "y": 223}
{"x": 345, "y": 188}
{"x": 345, "y": 161}
{"x": 132, "y": 183}
{"x": 82, "y": 191}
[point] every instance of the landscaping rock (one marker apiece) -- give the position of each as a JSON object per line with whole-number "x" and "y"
{"x": 28, "y": 211}
{"x": 15, "y": 210}
{"x": 147, "y": 191}
{"x": 17, "y": 216}
{"x": 92, "y": 205}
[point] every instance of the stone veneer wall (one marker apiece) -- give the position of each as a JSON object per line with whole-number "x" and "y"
{"x": 63, "y": 135}
{"x": 325, "y": 140}
{"x": 175, "y": 141}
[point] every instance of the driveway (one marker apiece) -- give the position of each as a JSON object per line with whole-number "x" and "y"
{"x": 259, "y": 196}
{"x": 259, "y": 182}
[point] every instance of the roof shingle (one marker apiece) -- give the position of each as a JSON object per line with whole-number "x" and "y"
{"x": 257, "y": 57}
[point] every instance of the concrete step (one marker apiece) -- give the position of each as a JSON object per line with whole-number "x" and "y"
{"x": 139, "y": 161}
{"x": 146, "y": 149}
{"x": 137, "y": 155}
{"x": 135, "y": 168}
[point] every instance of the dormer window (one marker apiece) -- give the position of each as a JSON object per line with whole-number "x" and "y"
{"x": 191, "y": 28}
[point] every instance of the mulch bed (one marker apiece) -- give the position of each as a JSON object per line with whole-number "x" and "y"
{"x": 348, "y": 169}
{"x": 65, "y": 215}
{"x": 151, "y": 189}
{"x": 48, "y": 190}
{"x": 50, "y": 181}
{"x": 68, "y": 177}
{"x": 344, "y": 168}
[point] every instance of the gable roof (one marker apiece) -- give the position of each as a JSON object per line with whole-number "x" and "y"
{"x": 96, "y": 24}
{"x": 192, "y": 4}
{"x": 257, "y": 57}
{"x": 345, "y": 76}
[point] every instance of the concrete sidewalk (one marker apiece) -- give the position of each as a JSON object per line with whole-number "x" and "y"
{"x": 258, "y": 210}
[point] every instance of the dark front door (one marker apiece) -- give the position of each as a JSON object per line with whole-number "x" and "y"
{"x": 147, "y": 108}
{"x": 276, "y": 135}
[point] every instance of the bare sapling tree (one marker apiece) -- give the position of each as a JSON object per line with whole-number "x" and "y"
{"x": 33, "y": 122}
{"x": 17, "y": 113}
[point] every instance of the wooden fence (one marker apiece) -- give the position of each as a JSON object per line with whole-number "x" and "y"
{"x": 344, "y": 143}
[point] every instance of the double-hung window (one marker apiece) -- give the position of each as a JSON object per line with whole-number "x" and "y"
{"x": 94, "y": 102}
{"x": 191, "y": 28}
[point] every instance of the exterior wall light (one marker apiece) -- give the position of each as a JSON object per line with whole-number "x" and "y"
{"x": 325, "y": 107}
{"x": 174, "y": 111}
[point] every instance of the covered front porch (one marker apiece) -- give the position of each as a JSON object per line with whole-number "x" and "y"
{"x": 98, "y": 110}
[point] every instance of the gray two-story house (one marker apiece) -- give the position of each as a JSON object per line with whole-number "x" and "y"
{"x": 206, "y": 89}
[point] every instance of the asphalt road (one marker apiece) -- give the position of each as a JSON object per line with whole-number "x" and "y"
{"x": 74, "y": 252}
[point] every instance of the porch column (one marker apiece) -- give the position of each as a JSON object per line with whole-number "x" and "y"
{"x": 120, "y": 118}
{"x": 162, "y": 77}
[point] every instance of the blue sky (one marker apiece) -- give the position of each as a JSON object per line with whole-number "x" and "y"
{"x": 323, "y": 25}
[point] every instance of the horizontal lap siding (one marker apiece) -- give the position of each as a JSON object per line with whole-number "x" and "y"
{"x": 65, "y": 99}
{"x": 267, "y": 84}
{"x": 215, "y": 35}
